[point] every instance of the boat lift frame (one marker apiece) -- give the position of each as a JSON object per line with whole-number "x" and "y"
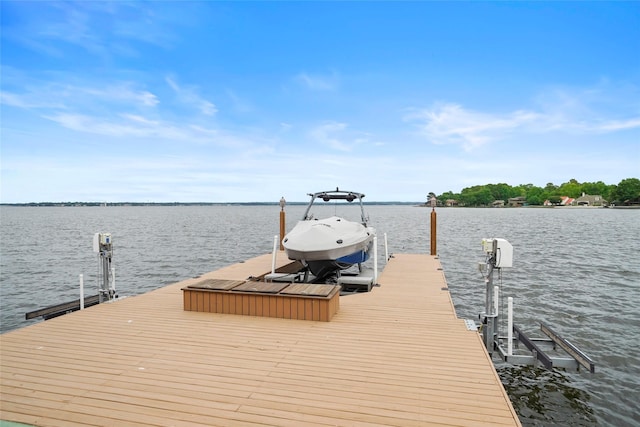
{"x": 103, "y": 247}
{"x": 499, "y": 255}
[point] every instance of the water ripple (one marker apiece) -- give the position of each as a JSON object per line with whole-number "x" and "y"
{"x": 576, "y": 269}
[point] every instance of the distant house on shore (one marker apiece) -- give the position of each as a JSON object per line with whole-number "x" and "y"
{"x": 564, "y": 201}
{"x": 517, "y": 202}
{"x": 451, "y": 202}
{"x": 498, "y": 204}
{"x": 589, "y": 200}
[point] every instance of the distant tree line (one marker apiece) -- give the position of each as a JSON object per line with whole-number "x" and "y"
{"x": 626, "y": 192}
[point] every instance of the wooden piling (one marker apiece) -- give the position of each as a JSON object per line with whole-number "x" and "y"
{"x": 282, "y": 222}
{"x": 434, "y": 221}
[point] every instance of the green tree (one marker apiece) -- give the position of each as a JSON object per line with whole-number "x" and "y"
{"x": 485, "y": 195}
{"x": 478, "y": 195}
{"x": 598, "y": 188}
{"x": 448, "y": 195}
{"x": 572, "y": 189}
{"x": 530, "y": 192}
{"x": 627, "y": 191}
{"x": 500, "y": 191}
{"x": 535, "y": 196}
{"x": 551, "y": 188}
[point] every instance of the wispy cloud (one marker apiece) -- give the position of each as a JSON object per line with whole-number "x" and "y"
{"x": 126, "y": 126}
{"x": 188, "y": 95}
{"x": 328, "y": 134}
{"x": 125, "y": 93}
{"x": 285, "y": 127}
{"x": 451, "y": 123}
{"x": 616, "y": 125}
{"x": 113, "y": 109}
{"x": 59, "y": 95}
{"x": 27, "y": 101}
{"x": 561, "y": 111}
{"x": 340, "y": 137}
{"x": 238, "y": 104}
{"x": 318, "y": 82}
{"x": 99, "y": 28}
{"x": 136, "y": 128}
{"x": 601, "y": 108}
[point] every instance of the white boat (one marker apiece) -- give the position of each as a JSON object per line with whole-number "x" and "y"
{"x": 331, "y": 244}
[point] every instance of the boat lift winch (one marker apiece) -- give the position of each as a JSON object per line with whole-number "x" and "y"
{"x": 499, "y": 255}
{"x": 103, "y": 246}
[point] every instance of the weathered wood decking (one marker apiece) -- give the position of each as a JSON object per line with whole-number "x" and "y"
{"x": 397, "y": 356}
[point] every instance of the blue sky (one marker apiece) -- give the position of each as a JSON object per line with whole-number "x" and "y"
{"x": 251, "y": 101}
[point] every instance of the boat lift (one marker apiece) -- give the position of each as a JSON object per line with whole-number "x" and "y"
{"x": 103, "y": 246}
{"x": 351, "y": 282}
{"x": 499, "y": 255}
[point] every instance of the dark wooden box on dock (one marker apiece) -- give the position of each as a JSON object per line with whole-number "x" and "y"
{"x": 301, "y": 301}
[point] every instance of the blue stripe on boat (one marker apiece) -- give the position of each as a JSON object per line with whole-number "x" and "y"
{"x": 354, "y": 258}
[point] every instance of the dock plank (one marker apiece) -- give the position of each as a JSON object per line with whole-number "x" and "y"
{"x": 397, "y": 356}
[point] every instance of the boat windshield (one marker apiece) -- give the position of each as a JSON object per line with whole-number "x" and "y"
{"x": 344, "y": 204}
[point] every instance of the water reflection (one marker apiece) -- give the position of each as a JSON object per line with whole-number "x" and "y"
{"x": 546, "y": 398}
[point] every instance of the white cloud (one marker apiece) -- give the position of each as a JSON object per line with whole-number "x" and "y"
{"x": 134, "y": 128}
{"x": 27, "y": 101}
{"x": 64, "y": 96}
{"x": 128, "y": 126}
{"x": 319, "y": 83}
{"x": 189, "y": 96}
{"x": 121, "y": 92}
{"x": 100, "y": 28}
{"x": 615, "y": 125}
{"x": 326, "y": 135}
{"x": 450, "y": 123}
{"x": 140, "y": 119}
{"x": 239, "y": 104}
{"x": 338, "y": 136}
{"x": 285, "y": 127}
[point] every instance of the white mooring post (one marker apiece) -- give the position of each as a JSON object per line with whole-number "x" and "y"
{"x": 81, "y": 292}
{"x": 274, "y": 253}
{"x": 386, "y": 249}
{"x": 375, "y": 260}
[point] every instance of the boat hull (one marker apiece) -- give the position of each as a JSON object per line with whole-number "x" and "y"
{"x": 330, "y": 244}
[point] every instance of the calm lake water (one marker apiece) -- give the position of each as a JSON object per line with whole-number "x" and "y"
{"x": 576, "y": 269}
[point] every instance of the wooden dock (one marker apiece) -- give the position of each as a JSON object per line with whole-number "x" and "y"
{"x": 397, "y": 356}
